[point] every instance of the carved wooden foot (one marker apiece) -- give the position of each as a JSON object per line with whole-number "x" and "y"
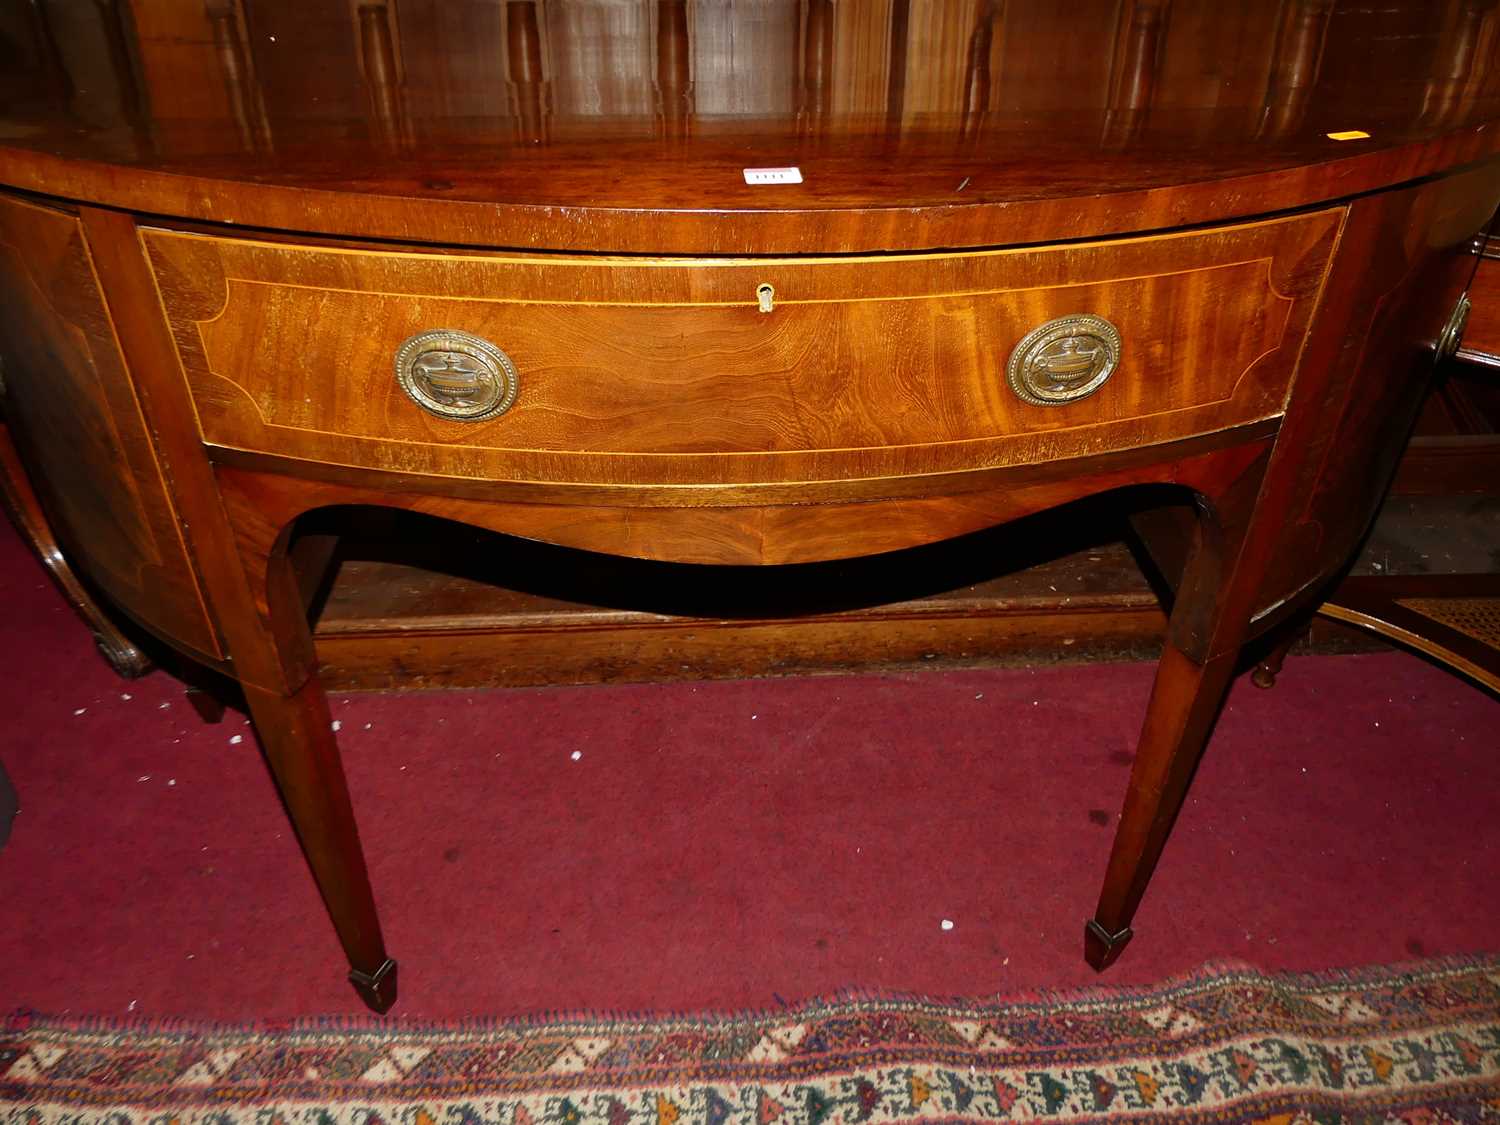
{"x": 1265, "y": 673}
{"x": 1267, "y": 670}
{"x": 128, "y": 661}
{"x": 121, "y": 654}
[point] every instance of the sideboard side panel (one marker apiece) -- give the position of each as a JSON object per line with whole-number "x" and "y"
{"x": 81, "y": 430}
{"x": 1403, "y": 262}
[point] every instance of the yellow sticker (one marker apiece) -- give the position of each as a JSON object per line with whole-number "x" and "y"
{"x": 1349, "y": 135}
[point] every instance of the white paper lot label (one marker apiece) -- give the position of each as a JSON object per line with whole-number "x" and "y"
{"x": 773, "y": 175}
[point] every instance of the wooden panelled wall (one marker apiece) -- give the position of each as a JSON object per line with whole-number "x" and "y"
{"x": 553, "y": 63}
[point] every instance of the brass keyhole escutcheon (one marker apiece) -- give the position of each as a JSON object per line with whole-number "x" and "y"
{"x": 456, "y": 375}
{"x": 766, "y": 295}
{"x": 1064, "y": 360}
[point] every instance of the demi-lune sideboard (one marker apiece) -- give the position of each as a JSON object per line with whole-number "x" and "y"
{"x": 723, "y": 283}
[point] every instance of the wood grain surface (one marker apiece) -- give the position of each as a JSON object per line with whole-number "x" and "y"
{"x": 665, "y": 371}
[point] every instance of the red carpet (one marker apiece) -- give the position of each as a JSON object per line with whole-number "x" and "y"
{"x": 724, "y": 845}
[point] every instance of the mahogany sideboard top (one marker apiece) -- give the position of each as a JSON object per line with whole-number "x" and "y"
{"x": 624, "y": 125}
{"x": 722, "y": 282}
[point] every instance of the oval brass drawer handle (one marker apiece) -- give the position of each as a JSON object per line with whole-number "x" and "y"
{"x": 1064, "y": 360}
{"x": 456, "y": 375}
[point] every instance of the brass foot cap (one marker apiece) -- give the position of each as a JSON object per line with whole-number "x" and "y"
{"x": 377, "y": 989}
{"x": 1100, "y": 947}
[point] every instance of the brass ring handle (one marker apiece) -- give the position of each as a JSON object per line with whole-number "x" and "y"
{"x": 456, "y": 375}
{"x": 1064, "y": 360}
{"x": 1453, "y": 331}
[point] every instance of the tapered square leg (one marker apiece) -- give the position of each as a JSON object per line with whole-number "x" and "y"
{"x": 295, "y": 732}
{"x": 1209, "y": 618}
{"x": 1185, "y": 700}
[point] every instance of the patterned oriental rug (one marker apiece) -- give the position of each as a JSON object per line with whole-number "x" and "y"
{"x": 1418, "y": 1044}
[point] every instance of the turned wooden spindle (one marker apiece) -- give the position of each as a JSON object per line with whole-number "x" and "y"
{"x": 238, "y": 67}
{"x": 1295, "y": 64}
{"x": 674, "y": 81}
{"x": 815, "y": 75}
{"x": 1139, "y": 34}
{"x": 977, "y": 67}
{"x": 528, "y": 83}
{"x": 382, "y": 74}
{"x": 1470, "y": 32}
{"x": 895, "y": 95}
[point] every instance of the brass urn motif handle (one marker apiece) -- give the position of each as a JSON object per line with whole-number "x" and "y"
{"x": 456, "y": 375}
{"x": 1453, "y": 331}
{"x": 1064, "y": 360}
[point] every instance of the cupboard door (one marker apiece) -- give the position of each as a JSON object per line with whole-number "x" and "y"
{"x": 81, "y": 431}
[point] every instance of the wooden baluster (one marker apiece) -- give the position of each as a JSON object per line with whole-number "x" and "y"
{"x": 380, "y": 64}
{"x": 674, "y": 81}
{"x": 815, "y": 75}
{"x": 895, "y": 97}
{"x": 977, "y": 68}
{"x": 1138, "y": 39}
{"x": 1298, "y": 58}
{"x": 239, "y": 75}
{"x": 1469, "y": 33}
{"x": 59, "y": 82}
{"x": 119, "y": 31}
{"x": 528, "y": 82}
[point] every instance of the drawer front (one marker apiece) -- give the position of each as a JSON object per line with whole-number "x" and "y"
{"x": 634, "y": 371}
